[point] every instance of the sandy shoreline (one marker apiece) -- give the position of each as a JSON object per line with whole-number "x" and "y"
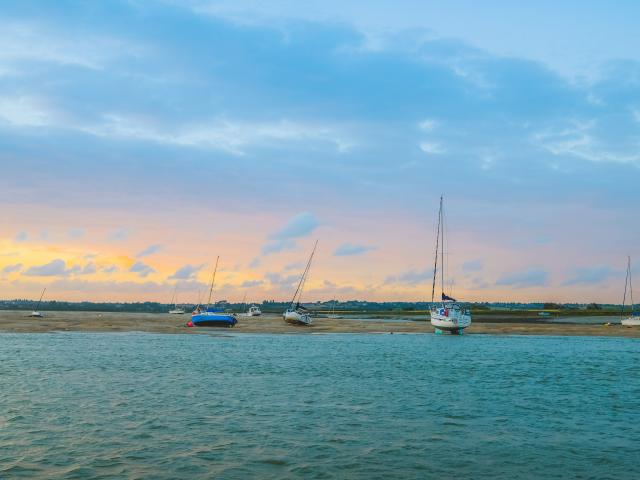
{"x": 19, "y": 322}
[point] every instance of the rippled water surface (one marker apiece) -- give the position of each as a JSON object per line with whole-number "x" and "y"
{"x": 78, "y": 405}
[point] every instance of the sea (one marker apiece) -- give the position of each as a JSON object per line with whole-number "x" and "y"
{"x": 344, "y": 406}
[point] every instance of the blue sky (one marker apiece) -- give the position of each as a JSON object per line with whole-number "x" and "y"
{"x": 290, "y": 121}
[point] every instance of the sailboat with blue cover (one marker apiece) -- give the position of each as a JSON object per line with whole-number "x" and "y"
{"x": 210, "y": 316}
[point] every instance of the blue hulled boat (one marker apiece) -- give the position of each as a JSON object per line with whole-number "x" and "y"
{"x": 212, "y": 317}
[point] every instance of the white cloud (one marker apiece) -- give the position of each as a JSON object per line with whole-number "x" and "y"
{"x": 580, "y": 140}
{"x": 26, "y": 111}
{"x": 431, "y": 148}
{"x": 427, "y": 125}
{"x": 37, "y": 42}
{"x": 231, "y": 136}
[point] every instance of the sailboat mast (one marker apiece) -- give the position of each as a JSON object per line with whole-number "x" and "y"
{"x": 41, "y": 295}
{"x": 435, "y": 263}
{"x": 304, "y": 275}
{"x": 630, "y": 285}
{"x": 213, "y": 279}
{"x": 441, "y": 248}
{"x": 626, "y": 282}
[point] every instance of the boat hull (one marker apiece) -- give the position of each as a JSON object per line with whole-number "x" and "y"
{"x": 177, "y": 311}
{"x": 631, "y": 322}
{"x": 213, "y": 320}
{"x": 450, "y": 320}
{"x": 296, "y": 318}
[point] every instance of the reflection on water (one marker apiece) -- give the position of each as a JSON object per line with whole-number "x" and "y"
{"x": 318, "y": 406}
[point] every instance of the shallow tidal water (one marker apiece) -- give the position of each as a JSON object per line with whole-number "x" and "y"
{"x": 81, "y": 405}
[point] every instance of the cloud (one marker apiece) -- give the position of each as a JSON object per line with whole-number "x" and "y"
{"x": 472, "y": 266}
{"x": 110, "y": 269}
{"x": 21, "y": 237}
{"x": 411, "y": 277}
{"x": 251, "y": 283}
{"x": 89, "y": 269}
{"x": 298, "y": 226}
{"x": 590, "y": 275}
{"x": 150, "y": 250}
{"x": 582, "y": 139}
{"x": 186, "y": 272}
{"x": 16, "y": 267}
{"x": 119, "y": 235}
{"x": 35, "y": 42}
{"x": 432, "y": 148}
{"x": 54, "y": 268}
{"x": 142, "y": 269}
{"x": 277, "y": 279}
{"x": 348, "y": 250}
{"x": 427, "y": 125}
{"x": 531, "y": 277}
{"x": 230, "y": 136}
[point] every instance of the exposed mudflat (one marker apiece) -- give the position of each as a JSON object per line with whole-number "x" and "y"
{"x": 19, "y": 321}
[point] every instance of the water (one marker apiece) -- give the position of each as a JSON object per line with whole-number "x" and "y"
{"x": 78, "y": 405}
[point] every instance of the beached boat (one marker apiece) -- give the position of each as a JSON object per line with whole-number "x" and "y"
{"x": 296, "y": 314}
{"x": 447, "y": 315}
{"x": 36, "y": 312}
{"x": 174, "y": 299}
{"x": 254, "y": 311}
{"x": 634, "y": 319}
{"x": 333, "y": 314}
{"x": 210, "y": 316}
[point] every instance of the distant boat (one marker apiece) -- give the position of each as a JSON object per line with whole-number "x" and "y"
{"x": 333, "y": 311}
{"x": 176, "y": 310}
{"x": 254, "y": 311}
{"x": 296, "y": 313}
{"x": 36, "y": 313}
{"x": 447, "y": 315}
{"x": 634, "y": 319}
{"x": 212, "y": 317}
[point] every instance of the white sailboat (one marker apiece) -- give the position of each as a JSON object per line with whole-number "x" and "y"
{"x": 333, "y": 311}
{"x": 296, "y": 313}
{"x": 36, "y": 313}
{"x": 447, "y": 315}
{"x": 634, "y": 319}
{"x": 176, "y": 310}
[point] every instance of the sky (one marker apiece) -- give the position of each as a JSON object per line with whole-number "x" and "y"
{"x": 139, "y": 140}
